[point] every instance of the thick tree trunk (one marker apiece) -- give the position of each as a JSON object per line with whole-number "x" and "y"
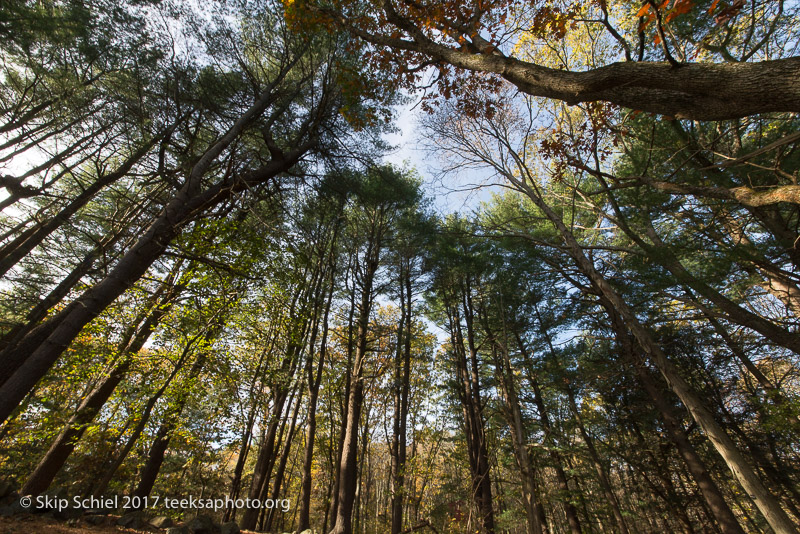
{"x": 48, "y": 341}
{"x": 191, "y": 200}
{"x": 699, "y": 91}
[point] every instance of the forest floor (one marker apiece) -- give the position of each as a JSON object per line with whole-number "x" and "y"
{"x": 35, "y": 524}
{"x": 29, "y": 524}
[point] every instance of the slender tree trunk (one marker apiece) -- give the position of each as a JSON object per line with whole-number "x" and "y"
{"x": 304, "y": 516}
{"x": 711, "y": 494}
{"x": 470, "y": 398}
{"x": 558, "y": 463}
{"x": 264, "y": 462}
{"x": 348, "y": 466}
{"x": 610, "y": 495}
{"x": 163, "y": 436}
{"x": 351, "y": 349}
{"x": 13, "y": 252}
{"x": 100, "y": 488}
{"x": 519, "y": 436}
{"x": 248, "y": 433}
{"x": 402, "y": 377}
{"x": 279, "y": 474}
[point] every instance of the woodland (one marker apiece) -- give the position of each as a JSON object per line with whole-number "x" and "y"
{"x": 213, "y": 284}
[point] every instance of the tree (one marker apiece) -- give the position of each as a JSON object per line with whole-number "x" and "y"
{"x": 297, "y": 79}
{"x": 484, "y": 39}
{"x": 381, "y": 196}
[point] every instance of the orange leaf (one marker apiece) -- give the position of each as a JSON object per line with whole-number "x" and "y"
{"x": 642, "y": 11}
{"x": 713, "y": 6}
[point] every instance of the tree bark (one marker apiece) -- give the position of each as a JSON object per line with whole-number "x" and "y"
{"x": 314, "y": 381}
{"x": 608, "y": 491}
{"x": 14, "y": 251}
{"x": 699, "y": 91}
{"x": 158, "y": 449}
{"x": 59, "y": 332}
{"x": 191, "y": 200}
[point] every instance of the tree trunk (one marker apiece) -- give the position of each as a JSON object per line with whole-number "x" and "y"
{"x": 17, "y": 249}
{"x": 711, "y": 494}
{"x": 470, "y": 398}
{"x": 279, "y": 474}
{"x": 188, "y": 202}
{"x": 158, "y": 449}
{"x": 776, "y": 517}
{"x": 402, "y": 376}
{"x": 264, "y": 462}
{"x": 558, "y": 463}
{"x": 39, "y": 311}
{"x": 611, "y": 497}
{"x": 314, "y": 381}
{"x": 348, "y": 466}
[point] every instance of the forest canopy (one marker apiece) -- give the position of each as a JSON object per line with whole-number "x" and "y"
{"x": 214, "y": 286}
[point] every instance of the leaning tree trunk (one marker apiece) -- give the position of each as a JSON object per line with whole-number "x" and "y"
{"x": 158, "y": 449}
{"x": 191, "y": 200}
{"x": 17, "y": 249}
{"x": 768, "y": 505}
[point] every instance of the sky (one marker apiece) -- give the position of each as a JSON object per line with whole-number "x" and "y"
{"x": 449, "y": 193}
